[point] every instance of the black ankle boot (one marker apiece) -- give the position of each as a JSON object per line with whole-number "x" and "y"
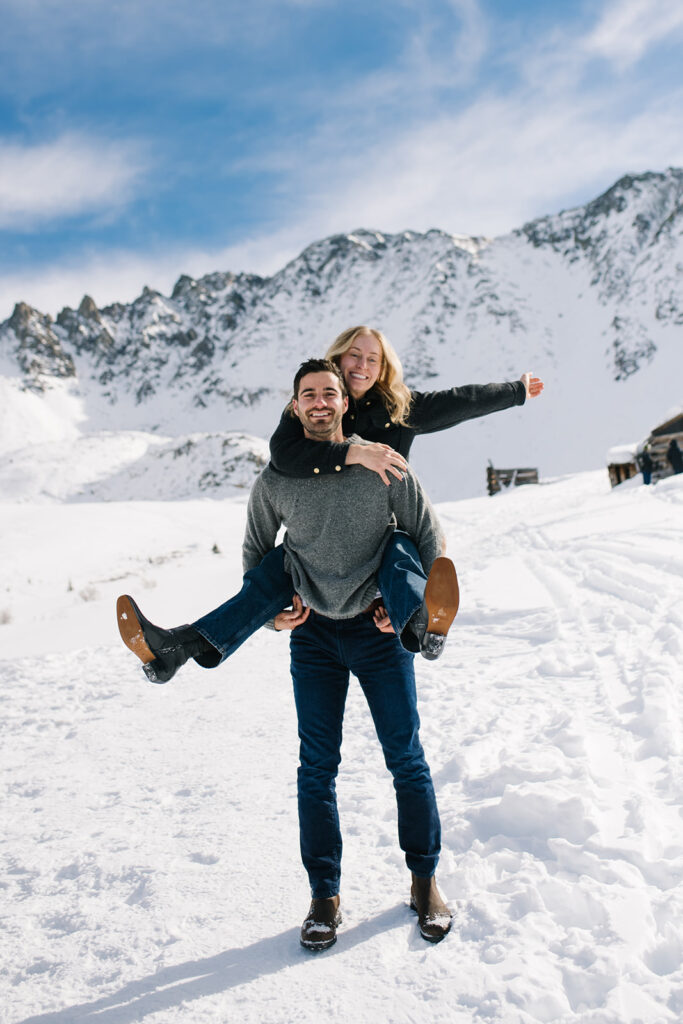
{"x": 161, "y": 651}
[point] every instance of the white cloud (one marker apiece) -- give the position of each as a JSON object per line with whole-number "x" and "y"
{"x": 422, "y": 64}
{"x": 556, "y": 137}
{"x": 494, "y": 166}
{"x": 70, "y": 175}
{"x": 628, "y": 28}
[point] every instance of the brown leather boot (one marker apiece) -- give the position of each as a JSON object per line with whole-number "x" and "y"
{"x": 433, "y": 915}
{"x": 319, "y": 930}
{"x": 431, "y": 622}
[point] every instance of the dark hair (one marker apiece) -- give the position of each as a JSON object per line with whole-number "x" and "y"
{"x": 319, "y": 366}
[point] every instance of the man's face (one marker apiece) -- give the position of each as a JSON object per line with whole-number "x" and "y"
{"x": 320, "y": 405}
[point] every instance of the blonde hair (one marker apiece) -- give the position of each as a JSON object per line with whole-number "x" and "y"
{"x": 395, "y": 394}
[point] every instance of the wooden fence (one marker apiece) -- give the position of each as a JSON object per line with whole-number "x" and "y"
{"x": 497, "y": 479}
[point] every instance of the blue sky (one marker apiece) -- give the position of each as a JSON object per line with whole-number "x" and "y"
{"x": 142, "y": 139}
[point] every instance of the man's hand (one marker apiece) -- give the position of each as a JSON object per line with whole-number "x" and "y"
{"x": 291, "y": 619}
{"x": 533, "y": 385}
{"x": 380, "y": 458}
{"x": 382, "y": 620}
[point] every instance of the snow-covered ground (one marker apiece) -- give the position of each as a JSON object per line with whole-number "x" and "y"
{"x": 149, "y": 839}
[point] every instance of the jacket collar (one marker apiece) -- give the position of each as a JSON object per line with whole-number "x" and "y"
{"x": 371, "y": 399}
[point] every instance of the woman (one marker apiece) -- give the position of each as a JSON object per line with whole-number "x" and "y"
{"x": 381, "y": 409}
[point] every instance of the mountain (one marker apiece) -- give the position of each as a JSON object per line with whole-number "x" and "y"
{"x": 590, "y": 299}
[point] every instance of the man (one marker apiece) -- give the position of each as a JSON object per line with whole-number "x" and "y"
{"x": 337, "y": 527}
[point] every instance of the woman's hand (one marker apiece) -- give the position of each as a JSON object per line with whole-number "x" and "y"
{"x": 380, "y": 458}
{"x": 291, "y": 619}
{"x": 533, "y": 385}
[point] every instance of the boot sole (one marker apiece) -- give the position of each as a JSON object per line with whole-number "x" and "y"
{"x": 317, "y": 947}
{"x": 442, "y": 596}
{"x": 131, "y": 630}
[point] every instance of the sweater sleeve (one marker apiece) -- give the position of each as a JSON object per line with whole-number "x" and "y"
{"x": 437, "y": 410}
{"x": 415, "y": 515}
{"x": 294, "y": 455}
{"x": 263, "y": 523}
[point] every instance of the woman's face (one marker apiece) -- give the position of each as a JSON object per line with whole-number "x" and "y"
{"x": 361, "y": 364}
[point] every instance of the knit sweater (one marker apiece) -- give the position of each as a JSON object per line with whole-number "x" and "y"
{"x": 337, "y": 528}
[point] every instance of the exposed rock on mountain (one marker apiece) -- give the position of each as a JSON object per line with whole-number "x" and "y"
{"x": 37, "y": 348}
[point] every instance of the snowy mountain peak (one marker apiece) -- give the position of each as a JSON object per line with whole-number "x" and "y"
{"x": 637, "y": 211}
{"x": 590, "y": 298}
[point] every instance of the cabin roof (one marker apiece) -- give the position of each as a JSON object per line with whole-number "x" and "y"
{"x": 620, "y": 454}
{"x": 673, "y": 424}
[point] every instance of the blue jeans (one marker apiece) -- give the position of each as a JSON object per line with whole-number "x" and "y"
{"x": 267, "y": 589}
{"x": 323, "y": 653}
{"x": 401, "y": 581}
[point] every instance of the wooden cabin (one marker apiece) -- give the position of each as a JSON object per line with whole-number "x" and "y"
{"x": 623, "y": 460}
{"x": 659, "y": 440}
{"x": 621, "y": 463}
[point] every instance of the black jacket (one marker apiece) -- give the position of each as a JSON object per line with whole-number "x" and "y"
{"x": 292, "y": 454}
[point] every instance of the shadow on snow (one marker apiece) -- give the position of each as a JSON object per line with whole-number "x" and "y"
{"x": 195, "y": 979}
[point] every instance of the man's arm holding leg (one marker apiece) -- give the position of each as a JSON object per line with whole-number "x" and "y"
{"x": 416, "y": 517}
{"x": 263, "y": 523}
{"x": 420, "y": 608}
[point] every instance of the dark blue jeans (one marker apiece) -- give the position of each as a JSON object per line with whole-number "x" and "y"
{"x": 401, "y": 581}
{"x": 267, "y": 589}
{"x": 323, "y": 653}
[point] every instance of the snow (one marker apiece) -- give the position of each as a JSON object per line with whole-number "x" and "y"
{"x": 150, "y": 846}
{"x": 132, "y": 465}
{"x": 27, "y": 418}
{"x": 622, "y": 454}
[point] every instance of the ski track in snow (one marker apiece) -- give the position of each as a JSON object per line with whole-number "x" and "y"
{"x": 150, "y": 845}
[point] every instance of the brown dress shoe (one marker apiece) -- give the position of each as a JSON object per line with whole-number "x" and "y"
{"x": 319, "y": 930}
{"x": 434, "y": 917}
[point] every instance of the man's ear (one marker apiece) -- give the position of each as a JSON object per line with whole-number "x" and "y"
{"x": 346, "y": 402}
{"x": 295, "y": 407}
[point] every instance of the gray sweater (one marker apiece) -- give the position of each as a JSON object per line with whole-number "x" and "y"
{"x": 337, "y": 528}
